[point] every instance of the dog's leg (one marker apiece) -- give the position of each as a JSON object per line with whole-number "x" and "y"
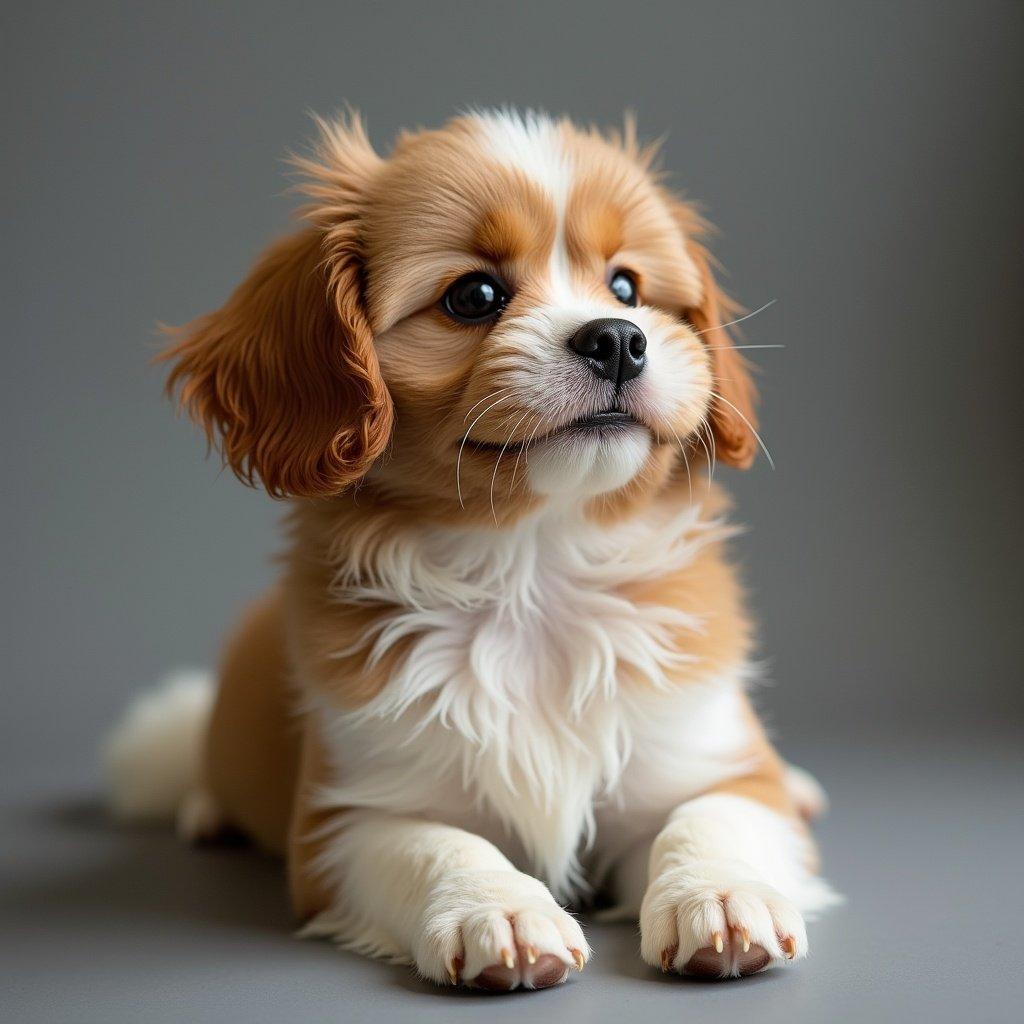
{"x": 728, "y": 880}
{"x": 445, "y": 900}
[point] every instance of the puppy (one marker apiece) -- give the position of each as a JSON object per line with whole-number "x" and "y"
{"x": 504, "y": 668}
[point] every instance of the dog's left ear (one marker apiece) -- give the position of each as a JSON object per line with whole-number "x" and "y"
{"x": 284, "y": 377}
{"x": 734, "y": 408}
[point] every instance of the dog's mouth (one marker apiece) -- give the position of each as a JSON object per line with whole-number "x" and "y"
{"x": 598, "y": 425}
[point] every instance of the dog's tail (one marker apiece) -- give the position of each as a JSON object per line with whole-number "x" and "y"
{"x": 153, "y": 756}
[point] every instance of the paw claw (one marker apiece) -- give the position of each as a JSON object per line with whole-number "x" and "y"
{"x": 516, "y": 937}
{"x": 715, "y": 921}
{"x": 453, "y": 971}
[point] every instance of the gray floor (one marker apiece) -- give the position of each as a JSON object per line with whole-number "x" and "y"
{"x": 106, "y": 925}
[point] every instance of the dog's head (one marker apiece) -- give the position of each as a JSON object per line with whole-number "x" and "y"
{"x": 505, "y": 312}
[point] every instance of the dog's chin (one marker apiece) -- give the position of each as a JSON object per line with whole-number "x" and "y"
{"x": 588, "y": 463}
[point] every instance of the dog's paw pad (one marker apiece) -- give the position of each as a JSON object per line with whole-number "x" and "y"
{"x": 519, "y": 948}
{"x": 513, "y": 940}
{"x": 708, "y": 923}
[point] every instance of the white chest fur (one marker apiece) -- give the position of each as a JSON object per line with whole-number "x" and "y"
{"x": 536, "y": 704}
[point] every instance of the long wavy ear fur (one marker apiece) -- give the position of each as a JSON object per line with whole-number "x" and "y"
{"x": 284, "y": 378}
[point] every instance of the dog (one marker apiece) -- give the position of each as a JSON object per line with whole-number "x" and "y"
{"x": 505, "y": 668}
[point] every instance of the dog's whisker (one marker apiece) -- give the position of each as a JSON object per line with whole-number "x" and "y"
{"x": 465, "y": 438}
{"x": 530, "y": 439}
{"x": 738, "y": 320}
{"x": 686, "y": 462}
{"x": 476, "y": 405}
{"x": 716, "y": 348}
{"x": 707, "y": 451}
{"x": 535, "y": 422}
{"x": 706, "y": 428}
{"x": 750, "y": 427}
{"x": 494, "y": 475}
{"x": 452, "y": 410}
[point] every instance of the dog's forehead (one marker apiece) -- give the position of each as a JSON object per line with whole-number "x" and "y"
{"x": 534, "y": 145}
{"x": 522, "y": 189}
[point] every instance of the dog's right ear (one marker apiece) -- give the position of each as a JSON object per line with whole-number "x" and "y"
{"x": 733, "y": 413}
{"x": 284, "y": 378}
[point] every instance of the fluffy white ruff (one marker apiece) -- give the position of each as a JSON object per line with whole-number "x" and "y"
{"x": 528, "y": 680}
{"x": 152, "y": 756}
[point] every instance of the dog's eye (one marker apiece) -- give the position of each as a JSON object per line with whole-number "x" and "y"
{"x": 623, "y": 287}
{"x": 475, "y": 297}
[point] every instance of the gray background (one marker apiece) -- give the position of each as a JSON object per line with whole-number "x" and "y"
{"x": 864, "y": 164}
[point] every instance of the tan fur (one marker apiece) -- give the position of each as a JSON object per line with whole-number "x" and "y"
{"x": 264, "y": 761}
{"x": 764, "y": 781}
{"x": 253, "y": 742}
{"x": 513, "y": 233}
{"x": 306, "y": 837}
{"x": 320, "y": 625}
{"x": 709, "y": 590}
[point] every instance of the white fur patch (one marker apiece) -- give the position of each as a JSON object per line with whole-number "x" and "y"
{"x": 153, "y": 755}
{"x": 722, "y": 825}
{"x": 723, "y": 867}
{"x": 529, "y": 141}
{"x": 442, "y": 898}
{"x": 586, "y": 466}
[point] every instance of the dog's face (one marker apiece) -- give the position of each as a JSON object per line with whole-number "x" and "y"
{"x": 505, "y": 312}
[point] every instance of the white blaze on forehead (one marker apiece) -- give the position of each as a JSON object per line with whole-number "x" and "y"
{"x": 532, "y": 143}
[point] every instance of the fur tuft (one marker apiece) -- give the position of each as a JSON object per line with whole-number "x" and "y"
{"x": 153, "y": 755}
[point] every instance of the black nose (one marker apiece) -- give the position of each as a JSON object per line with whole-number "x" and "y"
{"x": 614, "y": 348}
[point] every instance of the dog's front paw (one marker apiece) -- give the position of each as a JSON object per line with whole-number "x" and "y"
{"x": 715, "y": 919}
{"x": 497, "y": 931}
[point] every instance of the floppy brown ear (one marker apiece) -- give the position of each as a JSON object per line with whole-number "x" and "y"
{"x": 733, "y": 408}
{"x": 284, "y": 377}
